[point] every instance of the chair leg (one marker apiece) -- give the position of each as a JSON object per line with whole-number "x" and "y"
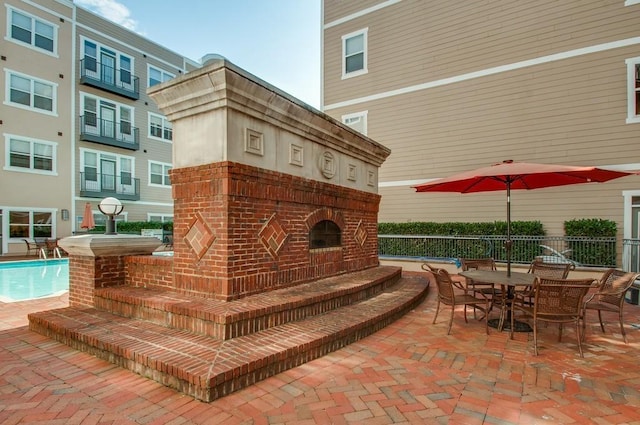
{"x": 486, "y": 317}
{"x": 437, "y": 310}
{"x": 535, "y": 336}
{"x": 453, "y": 309}
{"x": 624, "y": 335}
{"x": 600, "y": 318}
{"x": 579, "y": 338}
{"x": 560, "y": 332}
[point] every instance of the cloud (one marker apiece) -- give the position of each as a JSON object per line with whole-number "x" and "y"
{"x": 111, "y": 10}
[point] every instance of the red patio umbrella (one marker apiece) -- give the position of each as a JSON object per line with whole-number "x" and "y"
{"x": 518, "y": 175}
{"x": 87, "y": 218}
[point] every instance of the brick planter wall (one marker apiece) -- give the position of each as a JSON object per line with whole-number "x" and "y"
{"x": 239, "y": 229}
{"x": 88, "y": 273}
{"x": 149, "y": 271}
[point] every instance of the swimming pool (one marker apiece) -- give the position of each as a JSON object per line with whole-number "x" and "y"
{"x": 25, "y": 280}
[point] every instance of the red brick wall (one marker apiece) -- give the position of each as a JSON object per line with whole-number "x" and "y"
{"x": 233, "y": 202}
{"x": 149, "y": 271}
{"x": 88, "y": 273}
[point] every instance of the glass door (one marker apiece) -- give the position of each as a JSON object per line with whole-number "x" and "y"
{"x": 108, "y": 118}
{"x": 108, "y": 65}
{"x": 108, "y": 172}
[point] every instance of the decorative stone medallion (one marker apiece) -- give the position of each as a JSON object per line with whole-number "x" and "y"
{"x": 273, "y": 236}
{"x": 328, "y": 164}
{"x": 199, "y": 237}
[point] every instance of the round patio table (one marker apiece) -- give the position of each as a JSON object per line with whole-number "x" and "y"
{"x": 499, "y": 277}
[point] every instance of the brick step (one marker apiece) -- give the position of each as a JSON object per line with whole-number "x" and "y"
{"x": 230, "y": 319}
{"x": 207, "y": 368}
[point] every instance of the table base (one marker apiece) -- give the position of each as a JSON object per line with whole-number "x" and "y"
{"x": 519, "y": 326}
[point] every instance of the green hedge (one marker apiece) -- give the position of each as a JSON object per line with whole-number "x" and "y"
{"x": 583, "y": 251}
{"x": 498, "y": 228}
{"x": 135, "y": 227}
{"x": 522, "y": 251}
{"x": 591, "y": 252}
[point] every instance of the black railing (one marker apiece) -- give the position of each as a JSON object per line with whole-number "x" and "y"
{"x": 581, "y": 251}
{"x": 118, "y": 134}
{"x": 106, "y": 77}
{"x": 123, "y": 187}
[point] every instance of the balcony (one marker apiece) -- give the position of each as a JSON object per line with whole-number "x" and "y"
{"x": 123, "y": 187}
{"x": 118, "y": 81}
{"x": 120, "y": 135}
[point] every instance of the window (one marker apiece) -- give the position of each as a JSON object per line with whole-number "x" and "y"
{"x": 33, "y": 31}
{"x": 160, "y": 127}
{"x": 159, "y": 174}
{"x": 28, "y": 92}
{"x": 104, "y": 171}
{"x": 162, "y": 218}
{"x": 29, "y": 155}
{"x": 107, "y": 118}
{"x": 354, "y": 54}
{"x": 357, "y": 121}
{"x": 633, "y": 84}
{"x": 30, "y": 224}
{"x": 107, "y": 65}
{"x": 157, "y": 76}
{"x": 324, "y": 234}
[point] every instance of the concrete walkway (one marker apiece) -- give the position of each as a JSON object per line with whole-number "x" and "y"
{"x": 411, "y": 372}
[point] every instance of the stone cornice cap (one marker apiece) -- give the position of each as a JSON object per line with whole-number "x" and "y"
{"x": 97, "y": 245}
{"x": 222, "y": 84}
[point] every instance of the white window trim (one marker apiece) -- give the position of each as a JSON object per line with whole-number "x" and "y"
{"x": 54, "y": 215}
{"x": 29, "y": 45}
{"x": 117, "y": 157}
{"x": 631, "y": 90}
{"x": 114, "y": 50}
{"x": 163, "y": 217}
{"x": 631, "y": 2}
{"x": 162, "y": 71}
{"x": 54, "y": 155}
{"x": 364, "y": 70}
{"x": 163, "y": 164}
{"x": 117, "y": 105}
{"x": 362, "y": 115}
{"x": 164, "y": 119}
{"x": 7, "y": 89}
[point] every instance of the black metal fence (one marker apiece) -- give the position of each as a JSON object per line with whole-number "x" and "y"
{"x": 581, "y": 251}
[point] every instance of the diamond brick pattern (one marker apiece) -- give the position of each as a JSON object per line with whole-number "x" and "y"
{"x": 361, "y": 234}
{"x": 273, "y": 236}
{"x": 199, "y": 237}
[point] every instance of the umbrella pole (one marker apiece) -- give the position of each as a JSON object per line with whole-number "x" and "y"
{"x": 508, "y": 242}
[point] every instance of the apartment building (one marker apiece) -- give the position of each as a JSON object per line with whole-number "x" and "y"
{"x": 76, "y": 121}
{"x": 453, "y": 86}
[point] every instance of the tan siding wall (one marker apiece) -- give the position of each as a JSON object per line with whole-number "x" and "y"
{"x": 26, "y": 190}
{"x": 570, "y": 111}
{"x": 419, "y": 41}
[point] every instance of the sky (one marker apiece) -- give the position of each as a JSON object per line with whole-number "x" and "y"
{"x": 275, "y": 40}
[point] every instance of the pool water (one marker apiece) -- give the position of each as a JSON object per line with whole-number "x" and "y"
{"x": 25, "y": 280}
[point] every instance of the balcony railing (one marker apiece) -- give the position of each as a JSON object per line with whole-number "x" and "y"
{"x": 106, "y": 77}
{"x": 110, "y": 133}
{"x": 121, "y": 186}
{"x": 582, "y": 251}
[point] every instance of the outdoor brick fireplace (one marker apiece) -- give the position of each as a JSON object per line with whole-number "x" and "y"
{"x": 253, "y": 174}
{"x": 275, "y": 246}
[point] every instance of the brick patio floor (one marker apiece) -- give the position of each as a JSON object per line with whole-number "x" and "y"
{"x": 411, "y": 372}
